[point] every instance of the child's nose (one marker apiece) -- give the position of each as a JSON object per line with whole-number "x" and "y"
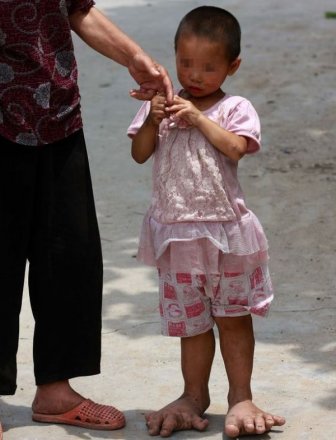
{"x": 196, "y": 76}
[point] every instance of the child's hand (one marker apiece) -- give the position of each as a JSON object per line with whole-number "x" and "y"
{"x": 184, "y": 109}
{"x": 157, "y": 111}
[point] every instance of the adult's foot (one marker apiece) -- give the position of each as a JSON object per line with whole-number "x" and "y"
{"x": 55, "y": 398}
{"x": 183, "y": 414}
{"x": 59, "y": 403}
{"x": 245, "y": 418}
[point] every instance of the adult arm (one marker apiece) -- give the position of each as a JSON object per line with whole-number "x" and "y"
{"x": 105, "y": 37}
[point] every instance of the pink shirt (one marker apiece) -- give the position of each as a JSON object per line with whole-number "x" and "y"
{"x": 192, "y": 180}
{"x": 197, "y": 196}
{"x": 39, "y": 97}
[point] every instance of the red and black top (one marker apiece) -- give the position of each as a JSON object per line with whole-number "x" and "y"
{"x": 39, "y": 96}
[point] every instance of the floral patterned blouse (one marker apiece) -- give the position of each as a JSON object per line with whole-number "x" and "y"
{"x": 39, "y": 97}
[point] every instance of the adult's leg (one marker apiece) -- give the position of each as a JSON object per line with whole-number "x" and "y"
{"x": 197, "y": 353}
{"x": 65, "y": 284}
{"x": 17, "y": 177}
{"x": 237, "y": 347}
{"x": 65, "y": 275}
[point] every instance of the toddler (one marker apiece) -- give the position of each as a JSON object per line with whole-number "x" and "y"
{"x": 209, "y": 248}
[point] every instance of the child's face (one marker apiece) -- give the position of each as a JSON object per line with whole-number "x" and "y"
{"x": 202, "y": 65}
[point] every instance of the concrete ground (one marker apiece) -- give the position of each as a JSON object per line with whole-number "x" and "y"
{"x": 288, "y": 72}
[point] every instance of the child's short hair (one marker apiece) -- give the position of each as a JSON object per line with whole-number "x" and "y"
{"x": 213, "y": 23}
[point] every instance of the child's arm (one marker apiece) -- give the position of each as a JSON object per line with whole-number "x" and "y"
{"x": 143, "y": 142}
{"x": 228, "y": 143}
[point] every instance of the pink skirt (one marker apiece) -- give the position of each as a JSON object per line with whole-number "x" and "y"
{"x": 203, "y": 247}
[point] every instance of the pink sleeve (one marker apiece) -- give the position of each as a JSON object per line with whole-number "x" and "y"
{"x": 243, "y": 120}
{"x": 139, "y": 119}
{"x": 78, "y": 5}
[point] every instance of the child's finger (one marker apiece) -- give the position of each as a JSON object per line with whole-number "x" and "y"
{"x": 174, "y": 108}
{"x": 178, "y": 99}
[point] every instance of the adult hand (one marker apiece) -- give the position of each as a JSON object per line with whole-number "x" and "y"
{"x": 106, "y": 38}
{"x": 152, "y": 78}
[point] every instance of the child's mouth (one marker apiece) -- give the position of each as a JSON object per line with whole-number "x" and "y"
{"x": 194, "y": 89}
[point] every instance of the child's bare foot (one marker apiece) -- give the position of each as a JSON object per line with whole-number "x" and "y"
{"x": 182, "y": 414}
{"x": 244, "y": 418}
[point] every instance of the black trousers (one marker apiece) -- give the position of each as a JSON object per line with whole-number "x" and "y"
{"x": 48, "y": 217}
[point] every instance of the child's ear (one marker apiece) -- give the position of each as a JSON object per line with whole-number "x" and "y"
{"x": 234, "y": 66}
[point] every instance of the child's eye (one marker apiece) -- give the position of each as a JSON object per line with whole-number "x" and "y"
{"x": 209, "y": 68}
{"x": 186, "y": 63}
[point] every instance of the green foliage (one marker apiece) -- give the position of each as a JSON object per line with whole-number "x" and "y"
{"x": 330, "y": 14}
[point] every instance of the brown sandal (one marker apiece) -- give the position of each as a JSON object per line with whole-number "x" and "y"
{"x": 87, "y": 414}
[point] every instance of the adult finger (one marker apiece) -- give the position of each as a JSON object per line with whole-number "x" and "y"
{"x": 167, "y": 84}
{"x": 142, "y": 94}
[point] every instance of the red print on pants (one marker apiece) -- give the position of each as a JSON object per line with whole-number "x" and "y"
{"x": 200, "y": 279}
{"x": 174, "y": 310}
{"x": 260, "y": 311}
{"x": 238, "y": 300}
{"x": 169, "y": 291}
{"x": 194, "y": 310}
{"x": 256, "y": 278}
{"x": 232, "y": 274}
{"x": 176, "y": 328}
{"x": 183, "y": 278}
